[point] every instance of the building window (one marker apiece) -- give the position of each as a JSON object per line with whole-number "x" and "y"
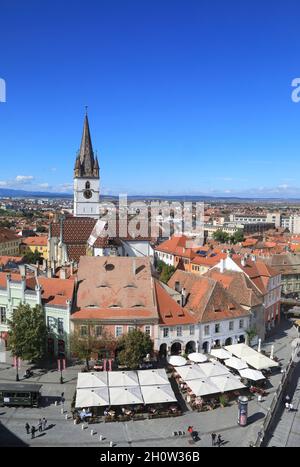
{"x": 130, "y": 328}
{"x": 231, "y": 325}
{"x": 148, "y": 330}
{"x": 50, "y": 323}
{"x": 217, "y": 328}
{"x": 206, "y": 330}
{"x": 60, "y": 326}
{"x": 2, "y": 315}
{"x": 241, "y": 323}
{"x": 98, "y": 331}
{"x": 166, "y": 332}
{"x": 119, "y": 331}
{"x": 83, "y": 331}
{"x": 179, "y": 331}
{"x": 192, "y": 330}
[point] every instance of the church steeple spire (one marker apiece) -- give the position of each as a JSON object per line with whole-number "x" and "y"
{"x": 86, "y": 153}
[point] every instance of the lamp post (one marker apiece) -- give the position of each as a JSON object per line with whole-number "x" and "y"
{"x": 16, "y": 364}
{"x": 61, "y": 365}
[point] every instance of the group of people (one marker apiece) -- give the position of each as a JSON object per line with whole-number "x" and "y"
{"x": 288, "y": 404}
{"x": 42, "y": 426}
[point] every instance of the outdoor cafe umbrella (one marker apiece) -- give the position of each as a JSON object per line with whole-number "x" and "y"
{"x": 122, "y": 378}
{"x": 236, "y": 363}
{"x": 92, "y": 397}
{"x": 190, "y": 372}
{"x": 125, "y": 396}
{"x": 220, "y": 354}
{"x": 227, "y": 383}
{"x": 260, "y": 362}
{"x": 214, "y": 369}
{"x": 253, "y": 375}
{"x": 153, "y": 377}
{"x": 176, "y": 360}
{"x": 203, "y": 387}
{"x": 92, "y": 380}
{"x": 158, "y": 394}
{"x": 197, "y": 357}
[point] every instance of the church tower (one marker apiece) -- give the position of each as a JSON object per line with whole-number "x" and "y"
{"x": 86, "y": 178}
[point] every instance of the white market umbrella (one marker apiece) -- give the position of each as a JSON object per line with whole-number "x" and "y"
{"x": 236, "y": 363}
{"x": 253, "y": 375}
{"x": 240, "y": 350}
{"x": 214, "y": 369}
{"x": 158, "y": 394}
{"x": 221, "y": 354}
{"x": 153, "y": 377}
{"x": 227, "y": 383}
{"x": 92, "y": 380}
{"x": 176, "y": 360}
{"x": 261, "y": 362}
{"x": 295, "y": 343}
{"x": 197, "y": 357}
{"x": 92, "y": 397}
{"x": 190, "y": 372}
{"x": 203, "y": 387}
{"x": 125, "y": 396}
{"x": 122, "y": 378}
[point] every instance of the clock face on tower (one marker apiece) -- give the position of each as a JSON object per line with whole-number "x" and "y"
{"x": 87, "y": 194}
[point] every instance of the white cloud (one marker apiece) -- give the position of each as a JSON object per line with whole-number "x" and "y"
{"x": 3, "y": 183}
{"x": 22, "y": 179}
{"x": 44, "y": 185}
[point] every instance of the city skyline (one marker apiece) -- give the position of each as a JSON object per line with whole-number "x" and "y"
{"x": 191, "y": 98}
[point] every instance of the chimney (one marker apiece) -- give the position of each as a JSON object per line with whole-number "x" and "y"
{"x": 243, "y": 262}
{"x": 253, "y": 257}
{"x": 23, "y": 288}
{"x": 38, "y": 290}
{"x": 183, "y": 297}
{"x": 62, "y": 273}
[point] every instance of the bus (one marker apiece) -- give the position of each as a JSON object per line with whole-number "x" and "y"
{"x": 18, "y": 394}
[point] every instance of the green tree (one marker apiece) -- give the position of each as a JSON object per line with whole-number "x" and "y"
{"x": 251, "y": 333}
{"x": 238, "y": 237}
{"x": 27, "y": 333}
{"x": 84, "y": 346}
{"x": 221, "y": 236}
{"x": 133, "y": 347}
{"x": 32, "y": 257}
{"x": 166, "y": 273}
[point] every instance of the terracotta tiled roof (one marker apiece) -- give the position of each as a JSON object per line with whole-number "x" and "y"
{"x": 170, "y": 312}
{"x": 4, "y": 260}
{"x": 35, "y": 241}
{"x": 113, "y": 315}
{"x": 206, "y": 298}
{"x": 258, "y": 271}
{"x": 56, "y": 291}
{"x": 7, "y": 235}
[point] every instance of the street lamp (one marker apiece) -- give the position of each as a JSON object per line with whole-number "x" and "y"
{"x": 61, "y": 365}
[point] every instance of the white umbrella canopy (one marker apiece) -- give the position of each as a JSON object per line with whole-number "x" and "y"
{"x": 92, "y": 397}
{"x": 260, "y": 362}
{"x": 240, "y": 350}
{"x": 227, "y": 383}
{"x": 176, "y": 360}
{"x": 125, "y": 396}
{"x": 197, "y": 357}
{"x": 122, "y": 378}
{"x": 221, "y": 354}
{"x": 253, "y": 375}
{"x": 190, "y": 372}
{"x": 158, "y": 394}
{"x": 203, "y": 387}
{"x": 214, "y": 369}
{"x": 295, "y": 343}
{"x": 153, "y": 377}
{"x": 92, "y": 380}
{"x": 236, "y": 363}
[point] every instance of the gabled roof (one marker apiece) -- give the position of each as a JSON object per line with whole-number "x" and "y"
{"x": 258, "y": 271}
{"x": 206, "y": 298}
{"x": 7, "y": 235}
{"x": 170, "y": 312}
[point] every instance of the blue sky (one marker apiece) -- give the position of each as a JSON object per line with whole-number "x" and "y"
{"x": 185, "y": 97}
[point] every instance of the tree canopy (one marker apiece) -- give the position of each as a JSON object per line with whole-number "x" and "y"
{"x": 133, "y": 347}
{"x": 84, "y": 346}
{"x": 27, "y": 334}
{"x": 32, "y": 257}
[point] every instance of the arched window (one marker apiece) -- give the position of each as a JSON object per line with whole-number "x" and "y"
{"x": 87, "y": 185}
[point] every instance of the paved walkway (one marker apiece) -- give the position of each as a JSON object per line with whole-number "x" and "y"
{"x": 147, "y": 433}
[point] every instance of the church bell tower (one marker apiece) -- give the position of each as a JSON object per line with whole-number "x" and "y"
{"x": 86, "y": 178}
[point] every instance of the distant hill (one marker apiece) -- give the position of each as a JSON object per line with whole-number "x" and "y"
{"x": 9, "y": 192}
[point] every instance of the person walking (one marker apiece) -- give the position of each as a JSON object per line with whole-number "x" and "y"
{"x": 213, "y": 439}
{"x": 40, "y": 425}
{"x": 219, "y": 441}
{"x": 32, "y": 432}
{"x": 62, "y": 397}
{"x": 291, "y": 407}
{"x": 27, "y": 427}
{"x": 44, "y": 424}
